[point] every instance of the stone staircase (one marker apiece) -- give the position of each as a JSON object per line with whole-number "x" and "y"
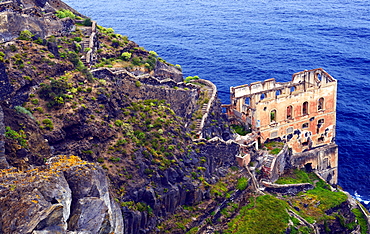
{"x": 204, "y": 109}
{"x": 87, "y": 42}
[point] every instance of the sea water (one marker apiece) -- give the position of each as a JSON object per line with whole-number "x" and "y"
{"x": 242, "y": 41}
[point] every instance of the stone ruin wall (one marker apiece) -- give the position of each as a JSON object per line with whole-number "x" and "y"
{"x": 301, "y": 113}
{"x": 311, "y": 98}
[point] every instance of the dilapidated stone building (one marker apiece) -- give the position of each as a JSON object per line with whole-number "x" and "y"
{"x": 301, "y": 113}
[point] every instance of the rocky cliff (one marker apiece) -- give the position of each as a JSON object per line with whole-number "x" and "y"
{"x": 67, "y": 194}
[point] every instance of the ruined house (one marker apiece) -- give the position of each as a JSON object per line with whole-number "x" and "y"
{"x": 301, "y": 113}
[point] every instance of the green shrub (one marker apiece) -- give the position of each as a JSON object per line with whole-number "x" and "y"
{"x": 136, "y": 61}
{"x": 242, "y": 183}
{"x": 35, "y": 101}
{"x": 25, "y": 35}
{"x": 23, "y": 110}
{"x": 78, "y": 39}
{"x": 63, "y": 13}
{"x": 118, "y": 123}
{"x": 190, "y": 78}
{"x": 87, "y": 22}
{"x": 48, "y": 124}
{"x": 27, "y": 78}
{"x": 55, "y": 93}
{"x": 40, "y": 109}
{"x": 126, "y": 56}
{"x": 137, "y": 83}
{"x": 115, "y": 159}
{"x": 89, "y": 152}
{"x": 20, "y": 137}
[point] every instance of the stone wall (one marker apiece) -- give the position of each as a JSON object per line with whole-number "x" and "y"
{"x": 3, "y": 161}
{"x": 301, "y": 112}
{"x": 323, "y": 160}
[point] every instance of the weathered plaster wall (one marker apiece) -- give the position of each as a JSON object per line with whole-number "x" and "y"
{"x": 304, "y": 109}
{"x": 323, "y": 160}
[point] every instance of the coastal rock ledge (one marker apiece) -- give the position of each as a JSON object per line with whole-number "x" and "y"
{"x": 67, "y": 195}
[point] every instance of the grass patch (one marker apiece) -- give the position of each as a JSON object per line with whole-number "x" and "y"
{"x": 269, "y": 215}
{"x": 240, "y": 129}
{"x": 295, "y": 177}
{"x": 361, "y": 220}
{"x": 274, "y": 147}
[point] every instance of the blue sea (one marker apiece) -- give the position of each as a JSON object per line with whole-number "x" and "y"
{"x": 235, "y": 42}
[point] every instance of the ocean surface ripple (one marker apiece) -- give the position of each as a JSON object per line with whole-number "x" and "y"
{"x": 239, "y": 42}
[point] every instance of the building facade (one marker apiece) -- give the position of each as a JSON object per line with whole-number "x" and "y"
{"x": 301, "y": 112}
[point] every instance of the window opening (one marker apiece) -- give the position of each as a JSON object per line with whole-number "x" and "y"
{"x": 320, "y": 105}
{"x": 278, "y": 92}
{"x": 305, "y": 125}
{"x": 247, "y": 101}
{"x": 263, "y": 96}
{"x": 292, "y": 89}
{"x": 273, "y": 116}
{"x": 289, "y": 112}
{"x": 319, "y": 77}
{"x": 305, "y": 108}
{"x": 320, "y": 122}
{"x": 321, "y": 139}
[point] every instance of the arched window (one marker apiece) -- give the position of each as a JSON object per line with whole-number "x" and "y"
{"x": 278, "y": 92}
{"x": 305, "y": 108}
{"x": 320, "y": 104}
{"x": 319, "y": 77}
{"x": 292, "y": 89}
{"x": 263, "y": 96}
{"x": 247, "y": 101}
{"x": 273, "y": 116}
{"x": 289, "y": 112}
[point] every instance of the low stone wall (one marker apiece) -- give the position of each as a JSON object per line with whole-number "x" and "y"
{"x": 210, "y": 102}
{"x": 287, "y": 189}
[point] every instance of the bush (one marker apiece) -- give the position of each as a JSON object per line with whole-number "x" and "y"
{"x": 23, "y": 110}
{"x": 118, "y": 123}
{"x": 63, "y": 13}
{"x": 126, "y": 56}
{"x": 35, "y": 101}
{"x": 25, "y": 35}
{"x": 87, "y": 22}
{"x": 137, "y": 83}
{"x": 48, "y": 124}
{"x": 190, "y": 78}
{"x": 136, "y": 61}
{"x": 54, "y": 93}
{"x": 242, "y": 183}
{"x": 21, "y": 137}
{"x": 113, "y": 159}
{"x": 78, "y": 39}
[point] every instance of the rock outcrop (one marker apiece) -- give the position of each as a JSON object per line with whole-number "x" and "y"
{"x": 67, "y": 195}
{"x": 3, "y": 161}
